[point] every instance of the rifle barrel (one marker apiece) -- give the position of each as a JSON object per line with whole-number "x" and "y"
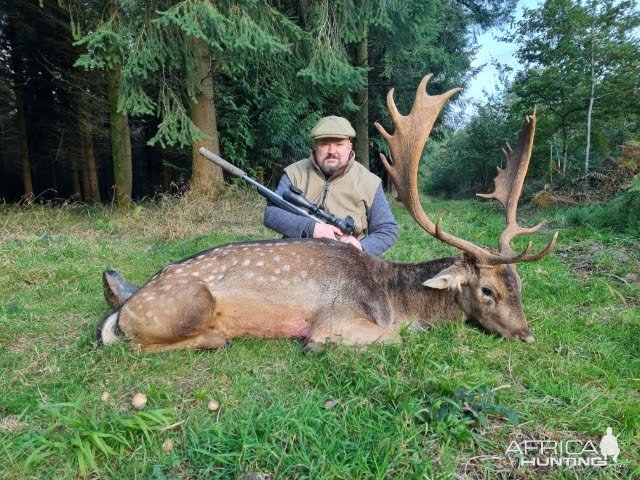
{"x": 222, "y": 163}
{"x": 262, "y": 190}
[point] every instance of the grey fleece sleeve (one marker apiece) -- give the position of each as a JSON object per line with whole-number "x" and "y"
{"x": 288, "y": 224}
{"x": 383, "y": 228}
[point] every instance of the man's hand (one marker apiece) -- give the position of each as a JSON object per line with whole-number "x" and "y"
{"x": 324, "y": 230}
{"x": 350, "y": 240}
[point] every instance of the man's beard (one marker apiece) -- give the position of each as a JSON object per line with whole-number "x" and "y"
{"x": 329, "y": 170}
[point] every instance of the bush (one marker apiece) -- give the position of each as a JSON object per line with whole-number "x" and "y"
{"x": 621, "y": 214}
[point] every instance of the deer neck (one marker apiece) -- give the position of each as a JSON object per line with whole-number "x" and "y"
{"x": 412, "y": 301}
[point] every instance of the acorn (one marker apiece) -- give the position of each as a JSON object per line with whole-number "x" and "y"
{"x": 139, "y": 400}
{"x": 213, "y": 405}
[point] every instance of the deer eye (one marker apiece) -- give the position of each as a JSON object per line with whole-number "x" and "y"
{"x": 487, "y": 292}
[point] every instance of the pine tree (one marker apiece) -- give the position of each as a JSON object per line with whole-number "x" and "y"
{"x": 16, "y": 60}
{"x": 107, "y": 50}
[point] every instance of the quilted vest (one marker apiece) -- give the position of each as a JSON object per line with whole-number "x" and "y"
{"x": 351, "y": 193}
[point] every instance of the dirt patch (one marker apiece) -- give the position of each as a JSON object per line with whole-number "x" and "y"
{"x": 590, "y": 257}
{"x": 21, "y": 344}
{"x": 12, "y": 424}
{"x": 611, "y": 178}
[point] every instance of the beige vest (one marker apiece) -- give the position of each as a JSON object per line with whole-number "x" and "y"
{"x": 350, "y": 194}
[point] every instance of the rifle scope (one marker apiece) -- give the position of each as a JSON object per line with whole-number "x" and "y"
{"x": 294, "y": 195}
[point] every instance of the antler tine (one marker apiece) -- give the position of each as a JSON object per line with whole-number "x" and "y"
{"x": 508, "y": 188}
{"x": 406, "y": 145}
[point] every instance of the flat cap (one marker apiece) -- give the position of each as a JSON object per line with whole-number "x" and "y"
{"x": 333, "y": 127}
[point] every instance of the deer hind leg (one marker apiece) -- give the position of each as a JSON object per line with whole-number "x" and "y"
{"x": 208, "y": 339}
{"x": 181, "y": 318}
{"x": 357, "y": 331}
{"x": 116, "y": 289}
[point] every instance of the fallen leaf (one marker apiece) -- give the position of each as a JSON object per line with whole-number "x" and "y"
{"x": 167, "y": 445}
{"x": 331, "y": 403}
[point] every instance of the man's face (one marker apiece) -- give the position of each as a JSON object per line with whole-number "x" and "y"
{"x": 332, "y": 153}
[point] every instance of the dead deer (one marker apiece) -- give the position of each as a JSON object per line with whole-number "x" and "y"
{"x": 323, "y": 290}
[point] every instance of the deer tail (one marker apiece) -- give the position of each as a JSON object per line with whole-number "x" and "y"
{"x": 107, "y": 331}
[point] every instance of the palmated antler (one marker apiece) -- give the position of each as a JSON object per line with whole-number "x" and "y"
{"x": 508, "y": 187}
{"x": 406, "y": 145}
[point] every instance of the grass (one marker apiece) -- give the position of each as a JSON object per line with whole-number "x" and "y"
{"x": 445, "y": 404}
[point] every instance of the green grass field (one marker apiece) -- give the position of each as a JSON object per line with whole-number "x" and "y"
{"x": 447, "y": 403}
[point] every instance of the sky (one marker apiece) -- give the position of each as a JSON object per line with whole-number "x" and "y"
{"x": 490, "y": 50}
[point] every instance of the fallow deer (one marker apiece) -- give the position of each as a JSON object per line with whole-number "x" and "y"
{"x": 319, "y": 290}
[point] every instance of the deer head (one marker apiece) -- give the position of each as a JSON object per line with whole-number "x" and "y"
{"x": 487, "y": 284}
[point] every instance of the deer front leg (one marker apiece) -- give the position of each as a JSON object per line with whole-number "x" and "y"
{"x": 358, "y": 331}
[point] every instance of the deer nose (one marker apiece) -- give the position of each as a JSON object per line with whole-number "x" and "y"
{"x": 529, "y": 338}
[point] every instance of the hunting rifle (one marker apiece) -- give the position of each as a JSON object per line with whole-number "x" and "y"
{"x": 292, "y": 200}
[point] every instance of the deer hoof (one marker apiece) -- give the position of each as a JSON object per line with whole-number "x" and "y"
{"x": 313, "y": 348}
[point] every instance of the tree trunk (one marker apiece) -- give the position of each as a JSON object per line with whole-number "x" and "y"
{"x": 164, "y": 172}
{"x": 92, "y": 171}
{"x": 120, "y": 140}
{"x": 206, "y": 177}
{"x": 565, "y": 145}
{"x": 87, "y": 152}
{"x": 53, "y": 178}
{"x": 75, "y": 184}
{"x": 588, "y": 147}
{"x": 361, "y": 119}
{"x": 590, "y": 111}
{"x": 84, "y": 181}
{"x": 550, "y": 163}
{"x": 18, "y": 84}
{"x": 27, "y": 181}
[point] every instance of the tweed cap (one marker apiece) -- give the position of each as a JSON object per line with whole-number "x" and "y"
{"x": 333, "y": 127}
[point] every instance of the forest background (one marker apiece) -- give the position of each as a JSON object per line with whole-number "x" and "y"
{"x": 109, "y": 100}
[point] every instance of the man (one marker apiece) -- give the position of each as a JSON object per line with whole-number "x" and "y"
{"x": 333, "y": 180}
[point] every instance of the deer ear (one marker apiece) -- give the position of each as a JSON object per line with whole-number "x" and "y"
{"x": 450, "y": 278}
